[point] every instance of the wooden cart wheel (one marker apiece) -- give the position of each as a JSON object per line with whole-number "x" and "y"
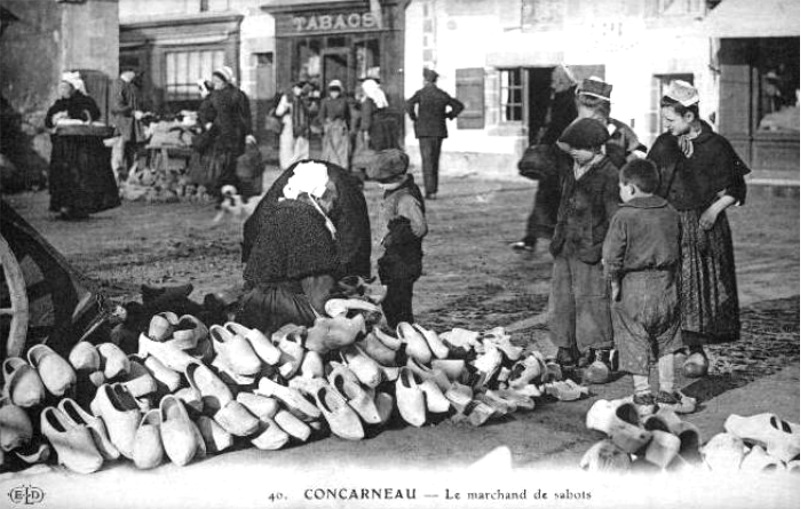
{"x": 17, "y": 301}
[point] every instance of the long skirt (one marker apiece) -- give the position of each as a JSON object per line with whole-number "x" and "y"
{"x": 336, "y": 143}
{"x": 291, "y": 148}
{"x": 708, "y": 287}
{"x": 81, "y": 179}
{"x": 385, "y": 130}
{"x": 270, "y": 308}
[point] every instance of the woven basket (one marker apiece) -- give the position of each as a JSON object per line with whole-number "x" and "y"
{"x": 100, "y": 130}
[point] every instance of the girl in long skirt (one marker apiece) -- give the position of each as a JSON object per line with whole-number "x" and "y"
{"x": 701, "y": 176}
{"x": 335, "y": 117}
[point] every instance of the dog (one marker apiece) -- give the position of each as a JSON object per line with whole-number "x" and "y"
{"x": 235, "y": 206}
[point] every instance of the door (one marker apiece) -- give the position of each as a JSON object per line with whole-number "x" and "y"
{"x": 539, "y": 95}
{"x": 336, "y": 65}
{"x": 539, "y": 100}
{"x": 265, "y": 93}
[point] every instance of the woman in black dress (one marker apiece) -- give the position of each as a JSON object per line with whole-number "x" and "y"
{"x": 379, "y": 125}
{"x": 701, "y": 176}
{"x": 81, "y": 179}
{"x": 292, "y": 265}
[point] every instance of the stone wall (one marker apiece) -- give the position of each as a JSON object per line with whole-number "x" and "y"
{"x": 48, "y": 38}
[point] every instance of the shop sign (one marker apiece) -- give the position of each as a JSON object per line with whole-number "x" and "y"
{"x": 344, "y": 22}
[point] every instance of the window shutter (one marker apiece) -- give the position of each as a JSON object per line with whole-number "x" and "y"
{"x": 470, "y": 91}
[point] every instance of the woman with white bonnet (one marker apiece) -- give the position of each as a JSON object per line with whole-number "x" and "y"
{"x": 380, "y": 127}
{"x": 290, "y": 271}
{"x": 349, "y": 215}
{"x": 80, "y": 178}
{"x": 334, "y": 116}
{"x": 701, "y": 176}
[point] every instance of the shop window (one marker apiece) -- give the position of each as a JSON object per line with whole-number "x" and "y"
{"x": 470, "y": 91}
{"x": 184, "y": 68}
{"x": 336, "y": 42}
{"x": 367, "y": 58}
{"x": 511, "y": 95}
{"x": 778, "y": 70}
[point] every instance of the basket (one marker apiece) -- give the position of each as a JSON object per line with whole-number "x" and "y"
{"x": 99, "y": 130}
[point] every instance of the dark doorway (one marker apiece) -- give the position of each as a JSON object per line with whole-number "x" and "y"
{"x": 336, "y": 66}
{"x": 265, "y": 92}
{"x": 539, "y": 99}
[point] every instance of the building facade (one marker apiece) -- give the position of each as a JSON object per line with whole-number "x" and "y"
{"x": 319, "y": 41}
{"x": 497, "y": 55}
{"x": 175, "y": 43}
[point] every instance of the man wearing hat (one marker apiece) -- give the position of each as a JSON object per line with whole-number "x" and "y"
{"x": 593, "y": 97}
{"x": 428, "y": 108}
{"x": 402, "y": 226}
{"x": 229, "y": 113}
{"x": 126, "y": 115}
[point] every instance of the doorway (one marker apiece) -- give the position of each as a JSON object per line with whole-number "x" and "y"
{"x": 336, "y": 66}
{"x": 539, "y": 101}
{"x": 265, "y": 95}
{"x": 537, "y": 83}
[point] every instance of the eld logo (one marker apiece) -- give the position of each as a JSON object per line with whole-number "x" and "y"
{"x": 28, "y": 495}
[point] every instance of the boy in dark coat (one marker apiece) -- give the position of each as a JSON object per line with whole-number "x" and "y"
{"x": 433, "y": 106}
{"x": 402, "y": 225}
{"x": 579, "y": 317}
{"x": 641, "y": 258}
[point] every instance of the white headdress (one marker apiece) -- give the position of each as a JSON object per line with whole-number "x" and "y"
{"x": 373, "y": 91}
{"x": 74, "y": 79}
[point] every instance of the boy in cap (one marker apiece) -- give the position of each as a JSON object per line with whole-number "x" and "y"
{"x": 641, "y": 258}
{"x": 402, "y": 226}
{"x": 579, "y": 318}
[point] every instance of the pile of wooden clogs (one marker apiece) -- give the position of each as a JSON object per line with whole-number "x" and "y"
{"x": 664, "y": 442}
{"x": 192, "y": 390}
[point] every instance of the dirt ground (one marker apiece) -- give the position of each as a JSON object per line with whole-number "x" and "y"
{"x": 471, "y": 279}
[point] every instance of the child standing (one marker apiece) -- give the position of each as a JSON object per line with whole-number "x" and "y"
{"x": 578, "y": 308}
{"x": 641, "y": 260}
{"x": 402, "y": 226}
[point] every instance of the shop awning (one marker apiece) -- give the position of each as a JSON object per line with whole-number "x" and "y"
{"x": 754, "y": 18}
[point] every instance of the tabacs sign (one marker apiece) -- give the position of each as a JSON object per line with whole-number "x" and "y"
{"x": 344, "y": 22}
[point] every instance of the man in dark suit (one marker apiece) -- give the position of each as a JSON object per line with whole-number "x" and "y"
{"x": 126, "y": 115}
{"x": 433, "y": 106}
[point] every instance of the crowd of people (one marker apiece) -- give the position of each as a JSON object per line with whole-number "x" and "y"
{"x": 643, "y": 256}
{"x": 643, "y": 264}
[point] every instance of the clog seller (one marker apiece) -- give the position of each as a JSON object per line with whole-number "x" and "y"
{"x": 349, "y": 215}
{"x": 292, "y": 265}
{"x": 81, "y": 179}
